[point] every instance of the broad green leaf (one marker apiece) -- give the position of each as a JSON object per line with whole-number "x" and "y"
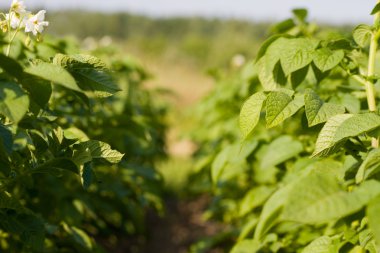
{"x": 11, "y": 66}
{"x": 97, "y": 150}
{"x": 14, "y": 102}
{"x": 230, "y": 157}
{"x": 369, "y": 167}
{"x": 324, "y": 244}
{"x": 90, "y": 73}
{"x": 373, "y": 211}
{"x": 350, "y": 102}
{"x": 326, "y": 59}
{"x": 271, "y": 77}
{"x": 97, "y": 81}
{"x": 297, "y": 77}
{"x": 297, "y": 53}
{"x": 254, "y": 198}
{"x": 266, "y": 44}
{"x": 319, "y": 198}
{"x": 317, "y": 111}
{"x": 279, "y": 151}
{"x": 362, "y": 34}
{"x": 57, "y": 163}
{"x": 250, "y": 113}
{"x": 246, "y": 246}
{"x": 280, "y": 106}
{"x": 272, "y": 209}
{"x": 341, "y": 127}
{"x": 53, "y": 73}
{"x": 269, "y": 69}
{"x": 40, "y": 90}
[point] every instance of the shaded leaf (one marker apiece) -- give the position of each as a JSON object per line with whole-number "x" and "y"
{"x": 14, "y": 102}
{"x": 317, "y": 111}
{"x": 280, "y": 150}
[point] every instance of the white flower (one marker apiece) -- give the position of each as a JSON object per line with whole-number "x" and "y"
{"x": 36, "y": 23}
{"x": 14, "y": 20}
{"x": 18, "y": 7}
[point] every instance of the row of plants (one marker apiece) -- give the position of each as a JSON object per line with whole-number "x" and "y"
{"x": 295, "y": 168}
{"x": 79, "y": 138}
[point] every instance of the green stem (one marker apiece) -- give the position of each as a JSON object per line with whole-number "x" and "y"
{"x": 369, "y": 85}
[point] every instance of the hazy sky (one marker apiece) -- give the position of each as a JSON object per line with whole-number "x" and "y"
{"x": 336, "y": 11}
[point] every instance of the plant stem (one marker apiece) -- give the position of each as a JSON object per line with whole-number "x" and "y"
{"x": 369, "y": 85}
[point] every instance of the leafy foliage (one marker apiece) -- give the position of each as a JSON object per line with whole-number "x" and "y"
{"x": 79, "y": 139}
{"x": 310, "y": 182}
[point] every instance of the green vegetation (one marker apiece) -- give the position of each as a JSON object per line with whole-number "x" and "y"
{"x": 286, "y": 145}
{"x": 301, "y": 175}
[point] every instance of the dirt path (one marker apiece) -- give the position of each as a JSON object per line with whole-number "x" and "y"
{"x": 182, "y": 226}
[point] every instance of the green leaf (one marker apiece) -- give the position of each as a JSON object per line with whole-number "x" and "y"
{"x": 11, "y": 66}
{"x": 376, "y": 9}
{"x": 90, "y": 73}
{"x": 319, "y": 198}
{"x": 254, "y": 198}
{"x": 369, "y": 167}
{"x": 6, "y": 139}
{"x": 269, "y": 69}
{"x": 341, "y": 127}
{"x": 57, "y": 163}
{"x": 324, "y": 244}
{"x": 97, "y": 150}
{"x": 317, "y": 111}
{"x": 79, "y": 236}
{"x": 87, "y": 175}
{"x": 283, "y": 26}
{"x": 299, "y": 76}
{"x": 28, "y": 227}
{"x": 246, "y": 246}
{"x": 297, "y": 53}
{"x": 271, "y": 77}
{"x": 230, "y": 157}
{"x": 39, "y": 89}
{"x": 373, "y": 211}
{"x": 53, "y": 73}
{"x": 300, "y": 14}
{"x": 280, "y": 106}
{"x": 14, "y": 102}
{"x": 264, "y": 47}
{"x": 279, "y": 151}
{"x": 98, "y": 82}
{"x": 326, "y": 59}
{"x": 250, "y": 113}
{"x": 271, "y": 211}
{"x": 362, "y": 34}
{"x": 78, "y": 61}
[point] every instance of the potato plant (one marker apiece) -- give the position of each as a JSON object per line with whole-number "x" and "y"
{"x": 305, "y": 177}
{"x": 78, "y": 142}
